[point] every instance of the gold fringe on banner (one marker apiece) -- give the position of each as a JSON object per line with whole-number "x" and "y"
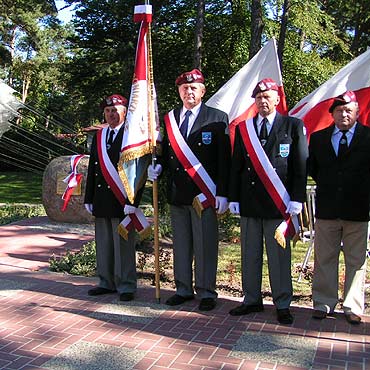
{"x": 125, "y": 182}
{"x": 280, "y": 238}
{"x": 145, "y": 233}
{"x": 122, "y": 231}
{"x": 131, "y": 154}
{"x": 198, "y": 206}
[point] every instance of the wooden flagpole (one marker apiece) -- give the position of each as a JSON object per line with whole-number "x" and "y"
{"x": 152, "y": 123}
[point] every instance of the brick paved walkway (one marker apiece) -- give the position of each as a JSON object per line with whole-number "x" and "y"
{"x": 47, "y": 321}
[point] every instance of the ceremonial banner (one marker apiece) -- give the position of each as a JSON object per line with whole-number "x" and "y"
{"x": 314, "y": 108}
{"x": 235, "y": 97}
{"x": 137, "y": 139}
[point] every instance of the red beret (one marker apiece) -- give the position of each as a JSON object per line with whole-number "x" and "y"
{"x": 347, "y": 97}
{"x": 265, "y": 85}
{"x": 114, "y": 100}
{"x": 194, "y": 75}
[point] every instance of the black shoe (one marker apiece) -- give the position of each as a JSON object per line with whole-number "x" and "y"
{"x": 284, "y": 316}
{"x": 245, "y": 309}
{"x": 99, "y": 291}
{"x": 125, "y": 297}
{"x": 176, "y": 299}
{"x": 319, "y": 315}
{"x": 352, "y": 318}
{"x": 207, "y": 304}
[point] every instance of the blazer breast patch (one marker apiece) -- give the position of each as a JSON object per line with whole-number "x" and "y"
{"x": 206, "y": 138}
{"x": 284, "y": 150}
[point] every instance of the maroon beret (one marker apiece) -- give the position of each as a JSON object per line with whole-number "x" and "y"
{"x": 194, "y": 75}
{"x": 265, "y": 85}
{"x": 112, "y": 100}
{"x": 348, "y": 97}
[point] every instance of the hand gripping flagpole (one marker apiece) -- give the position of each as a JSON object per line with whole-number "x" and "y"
{"x": 152, "y": 123}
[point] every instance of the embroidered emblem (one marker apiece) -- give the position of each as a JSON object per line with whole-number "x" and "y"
{"x": 206, "y": 138}
{"x": 284, "y": 150}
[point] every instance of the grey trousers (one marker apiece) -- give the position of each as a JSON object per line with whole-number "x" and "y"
{"x": 197, "y": 237}
{"x": 253, "y": 233}
{"x": 332, "y": 236}
{"x": 115, "y": 257}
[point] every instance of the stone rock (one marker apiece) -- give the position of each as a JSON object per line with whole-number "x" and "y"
{"x": 53, "y": 188}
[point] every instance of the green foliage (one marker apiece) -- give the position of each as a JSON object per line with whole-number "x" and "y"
{"x": 14, "y": 212}
{"x": 228, "y": 227}
{"x": 352, "y": 22}
{"x": 78, "y": 263}
{"x": 300, "y": 79}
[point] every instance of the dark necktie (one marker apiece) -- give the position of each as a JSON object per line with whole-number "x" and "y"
{"x": 263, "y": 132}
{"x": 185, "y": 124}
{"x": 343, "y": 144}
{"x": 110, "y": 139}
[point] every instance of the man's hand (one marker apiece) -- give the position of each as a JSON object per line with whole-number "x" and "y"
{"x": 294, "y": 208}
{"x": 221, "y": 205}
{"x": 129, "y": 209}
{"x": 234, "y": 208}
{"x": 154, "y": 172}
{"x": 89, "y": 207}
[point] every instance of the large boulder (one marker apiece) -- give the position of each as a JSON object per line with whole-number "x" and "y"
{"x": 53, "y": 188}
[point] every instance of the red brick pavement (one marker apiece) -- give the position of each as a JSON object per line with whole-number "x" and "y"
{"x": 44, "y": 313}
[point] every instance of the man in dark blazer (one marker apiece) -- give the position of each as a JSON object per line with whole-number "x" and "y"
{"x": 282, "y": 139}
{"x": 196, "y": 155}
{"x": 339, "y": 162}
{"x": 115, "y": 256}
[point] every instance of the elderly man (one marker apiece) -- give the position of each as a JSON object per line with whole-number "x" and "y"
{"x": 196, "y": 155}
{"x": 339, "y": 162}
{"x": 115, "y": 256}
{"x": 268, "y": 165}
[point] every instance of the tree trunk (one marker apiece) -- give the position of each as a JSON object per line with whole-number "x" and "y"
{"x": 199, "y": 35}
{"x": 283, "y": 28}
{"x": 256, "y": 28}
{"x": 12, "y": 53}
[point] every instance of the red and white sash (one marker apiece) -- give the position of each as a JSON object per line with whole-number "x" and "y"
{"x": 72, "y": 180}
{"x": 111, "y": 176}
{"x": 191, "y": 165}
{"x": 267, "y": 174}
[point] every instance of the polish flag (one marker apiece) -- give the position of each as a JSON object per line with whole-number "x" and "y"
{"x": 235, "y": 97}
{"x": 314, "y": 108}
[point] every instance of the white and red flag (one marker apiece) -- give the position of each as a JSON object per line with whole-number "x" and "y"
{"x": 142, "y": 113}
{"x": 314, "y": 108}
{"x": 235, "y": 97}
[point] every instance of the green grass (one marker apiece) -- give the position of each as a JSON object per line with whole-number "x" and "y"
{"x": 20, "y": 187}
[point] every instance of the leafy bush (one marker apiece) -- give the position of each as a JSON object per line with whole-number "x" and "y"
{"x": 15, "y": 212}
{"x": 78, "y": 263}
